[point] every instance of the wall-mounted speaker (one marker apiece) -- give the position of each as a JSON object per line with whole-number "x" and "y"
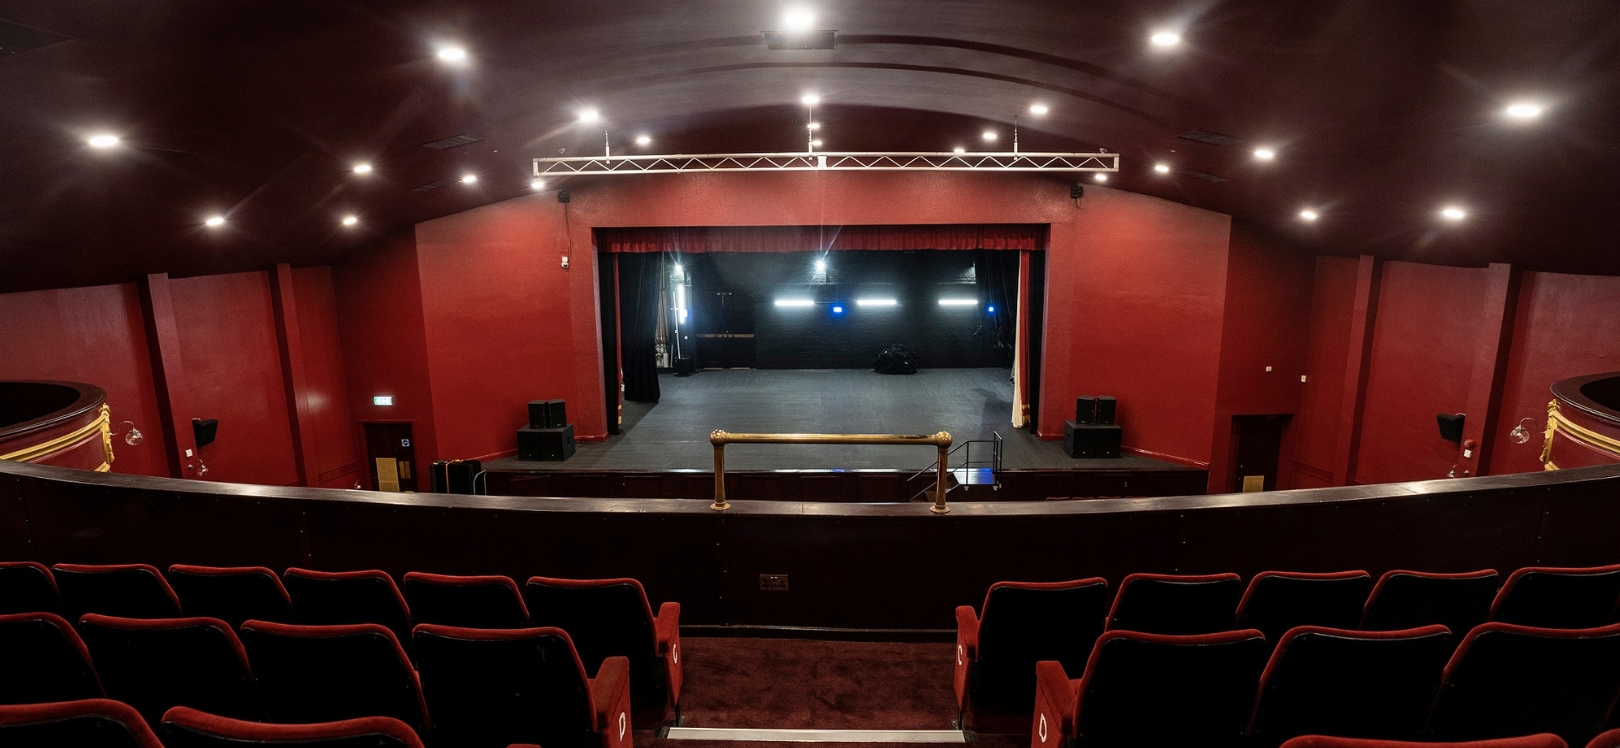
{"x": 1451, "y": 426}
{"x": 1076, "y": 191}
{"x": 562, "y": 196}
{"x": 204, "y": 429}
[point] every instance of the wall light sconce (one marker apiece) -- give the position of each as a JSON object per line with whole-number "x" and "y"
{"x": 133, "y": 437}
{"x": 1520, "y": 434}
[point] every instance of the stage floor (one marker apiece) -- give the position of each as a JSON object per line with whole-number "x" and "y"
{"x": 674, "y": 433}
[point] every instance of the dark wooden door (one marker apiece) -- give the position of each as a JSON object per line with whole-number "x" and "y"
{"x": 392, "y": 456}
{"x": 1258, "y": 449}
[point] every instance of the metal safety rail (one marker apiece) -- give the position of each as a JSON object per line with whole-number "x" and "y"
{"x": 1102, "y": 161}
{"x": 941, "y": 441}
{"x": 984, "y": 471}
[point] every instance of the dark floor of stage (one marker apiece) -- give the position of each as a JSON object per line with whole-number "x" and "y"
{"x": 674, "y": 433}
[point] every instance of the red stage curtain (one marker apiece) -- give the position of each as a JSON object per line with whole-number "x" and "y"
{"x": 693, "y": 239}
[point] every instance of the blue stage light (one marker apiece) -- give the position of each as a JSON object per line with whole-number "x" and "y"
{"x": 838, "y": 309}
{"x": 989, "y": 308}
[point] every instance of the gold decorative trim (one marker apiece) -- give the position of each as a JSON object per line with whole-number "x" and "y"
{"x": 1575, "y": 432}
{"x": 66, "y": 442}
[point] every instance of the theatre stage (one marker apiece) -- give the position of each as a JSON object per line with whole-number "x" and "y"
{"x": 674, "y": 433}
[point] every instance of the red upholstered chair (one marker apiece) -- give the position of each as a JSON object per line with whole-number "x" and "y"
{"x": 1607, "y": 739}
{"x": 329, "y": 598}
{"x": 189, "y": 728}
{"x": 42, "y": 659}
{"x": 87, "y": 723}
{"x": 1409, "y": 599}
{"x": 1152, "y": 690}
{"x": 1507, "y": 680}
{"x": 1277, "y": 601}
{"x": 328, "y": 673}
{"x": 28, "y": 587}
{"x": 1175, "y": 604}
{"x": 1558, "y": 598}
{"x": 1542, "y": 740}
{"x": 1363, "y": 684}
{"x": 125, "y": 590}
{"x": 481, "y": 602}
{"x": 153, "y": 664}
{"x": 1020, "y": 624}
{"x": 232, "y": 594}
{"x": 612, "y": 618}
{"x": 489, "y": 688}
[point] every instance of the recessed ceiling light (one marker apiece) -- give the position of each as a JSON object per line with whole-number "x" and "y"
{"x": 809, "y": 99}
{"x": 590, "y": 115}
{"x": 214, "y": 221}
{"x": 643, "y": 139}
{"x": 1038, "y": 109}
{"x": 469, "y": 179}
{"x": 103, "y": 141}
{"x": 1307, "y": 215}
{"x": 1264, "y": 154}
{"x": 538, "y": 184}
{"x": 959, "y": 149}
{"x": 1165, "y": 39}
{"x": 1523, "y": 111}
{"x": 452, "y": 54}
{"x": 989, "y": 136}
{"x": 1453, "y": 213}
{"x": 1099, "y": 178}
{"x": 1162, "y": 168}
{"x": 798, "y": 18}
{"x": 350, "y": 220}
{"x": 362, "y": 168}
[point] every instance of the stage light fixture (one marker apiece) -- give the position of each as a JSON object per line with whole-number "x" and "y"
{"x": 1307, "y": 215}
{"x": 1038, "y": 110}
{"x": 680, "y": 300}
{"x": 1165, "y": 39}
{"x": 643, "y": 139}
{"x": 350, "y": 220}
{"x": 1162, "y": 168}
{"x": 798, "y": 18}
{"x": 103, "y": 141}
{"x": 821, "y": 266}
{"x": 1523, "y": 111}
{"x": 838, "y": 309}
{"x": 1099, "y": 178}
{"x": 453, "y": 54}
{"x": 809, "y": 99}
{"x": 362, "y": 168}
{"x": 587, "y": 116}
{"x": 989, "y": 309}
{"x": 989, "y": 136}
{"x": 795, "y": 303}
{"x": 814, "y": 125}
{"x": 959, "y": 149}
{"x": 214, "y": 222}
{"x": 1264, "y": 154}
{"x": 679, "y": 271}
{"x": 537, "y": 185}
{"x": 958, "y": 302}
{"x": 469, "y": 179}
{"x": 1453, "y": 213}
{"x": 876, "y": 302}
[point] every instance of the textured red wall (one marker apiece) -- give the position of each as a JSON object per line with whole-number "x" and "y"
{"x": 233, "y": 373}
{"x": 331, "y": 447}
{"x": 1135, "y": 298}
{"x": 1314, "y": 434}
{"x": 92, "y": 335}
{"x": 379, "y": 312}
{"x": 1422, "y": 355}
{"x": 1266, "y": 323}
{"x": 1566, "y": 326}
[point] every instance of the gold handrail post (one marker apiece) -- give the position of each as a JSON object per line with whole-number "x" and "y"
{"x": 943, "y": 441}
{"x": 718, "y": 439}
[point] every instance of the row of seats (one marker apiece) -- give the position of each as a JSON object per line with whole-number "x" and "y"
{"x": 104, "y": 723}
{"x": 605, "y": 618}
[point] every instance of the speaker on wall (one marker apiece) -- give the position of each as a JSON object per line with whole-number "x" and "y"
{"x": 1451, "y": 426}
{"x": 204, "y": 429}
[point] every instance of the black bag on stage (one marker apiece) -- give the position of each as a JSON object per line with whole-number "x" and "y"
{"x": 896, "y": 359}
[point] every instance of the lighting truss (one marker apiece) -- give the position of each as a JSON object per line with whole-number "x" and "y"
{"x": 830, "y": 161}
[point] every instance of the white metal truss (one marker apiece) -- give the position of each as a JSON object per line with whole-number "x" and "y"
{"x": 829, "y": 161}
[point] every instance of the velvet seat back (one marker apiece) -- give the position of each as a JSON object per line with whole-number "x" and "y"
{"x": 605, "y": 618}
{"x": 154, "y": 664}
{"x": 42, "y": 659}
{"x": 1155, "y": 690}
{"x": 232, "y": 594}
{"x": 326, "y": 673}
{"x": 1278, "y": 601}
{"x": 123, "y": 590}
{"x": 1558, "y": 598}
{"x": 491, "y": 688}
{"x": 484, "y": 602}
{"x": 1409, "y": 599}
{"x": 1507, "y": 680}
{"x": 28, "y": 587}
{"x": 1173, "y": 604}
{"x": 1022, "y": 623}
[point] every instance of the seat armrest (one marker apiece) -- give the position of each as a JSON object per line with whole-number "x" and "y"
{"x": 967, "y": 650}
{"x": 668, "y": 628}
{"x": 1055, "y": 697}
{"x": 610, "y": 697}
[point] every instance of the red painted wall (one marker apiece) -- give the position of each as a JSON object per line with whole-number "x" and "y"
{"x": 1314, "y": 435}
{"x": 1565, "y": 326}
{"x": 331, "y": 447}
{"x": 92, "y": 335}
{"x": 379, "y": 313}
{"x": 233, "y": 373}
{"x": 1266, "y": 324}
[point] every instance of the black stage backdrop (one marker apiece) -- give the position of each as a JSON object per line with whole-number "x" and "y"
{"x": 640, "y": 276}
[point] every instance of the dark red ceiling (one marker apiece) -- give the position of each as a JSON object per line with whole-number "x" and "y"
{"x": 1381, "y": 111}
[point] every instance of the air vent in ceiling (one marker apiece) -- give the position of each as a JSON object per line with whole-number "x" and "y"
{"x": 454, "y": 141}
{"x": 800, "y": 39}
{"x": 16, "y": 38}
{"x": 430, "y": 186}
{"x": 1206, "y": 176}
{"x": 1211, "y": 138}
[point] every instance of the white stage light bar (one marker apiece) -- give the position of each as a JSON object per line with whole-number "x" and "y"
{"x": 795, "y": 302}
{"x": 875, "y": 302}
{"x": 958, "y": 302}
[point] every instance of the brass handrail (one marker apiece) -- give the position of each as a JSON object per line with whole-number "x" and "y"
{"x": 720, "y": 439}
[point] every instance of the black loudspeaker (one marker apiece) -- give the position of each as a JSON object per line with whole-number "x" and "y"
{"x": 546, "y": 445}
{"x": 462, "y": 474}
{"x": 1451, "y": 426}
{"x": 1106, "y": 406}
{"x": 204, "y": 429}
{"x": 1076, "y": 191}
{"x": 548, "y": 414}
{"x": 685, "y": 366}
{"x": 1085, "y": 410}
{"x": 438, "y": 480}
{"x": 562, "y": 196}
{"x": 1081, "y": 441}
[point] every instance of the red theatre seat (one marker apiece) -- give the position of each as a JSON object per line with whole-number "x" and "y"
{"x": 330, "y": 598}
{"x": 1608, "y": 739}
{"x": 1409, "y": 599}
{"x": 124, "y": 590}
{"x": 189, "y": 728}
{"x": 495, "y": 687}
{"x": 1152, "y": 690}
{"x": 1558, "y": 598}
{"x": 1277, "y": 601}
{"x": 42, "y": 659}
{"x": 1362, "y": 684}
{"x": 1542, "y": 740}
{"x": 89, "y": 723}
{"x": 481, "y": 602}
{"x": 232, "y": 594}
{"x": 28, "y": 587}
{"x": 326, "y": 673}
{"x": 1022, "y": 623}
{"x": 1507, "y": 680}
{"x": 1175, "y": 604}
{"x": 153, "y": 664}
{"x": 612, "y": 618}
